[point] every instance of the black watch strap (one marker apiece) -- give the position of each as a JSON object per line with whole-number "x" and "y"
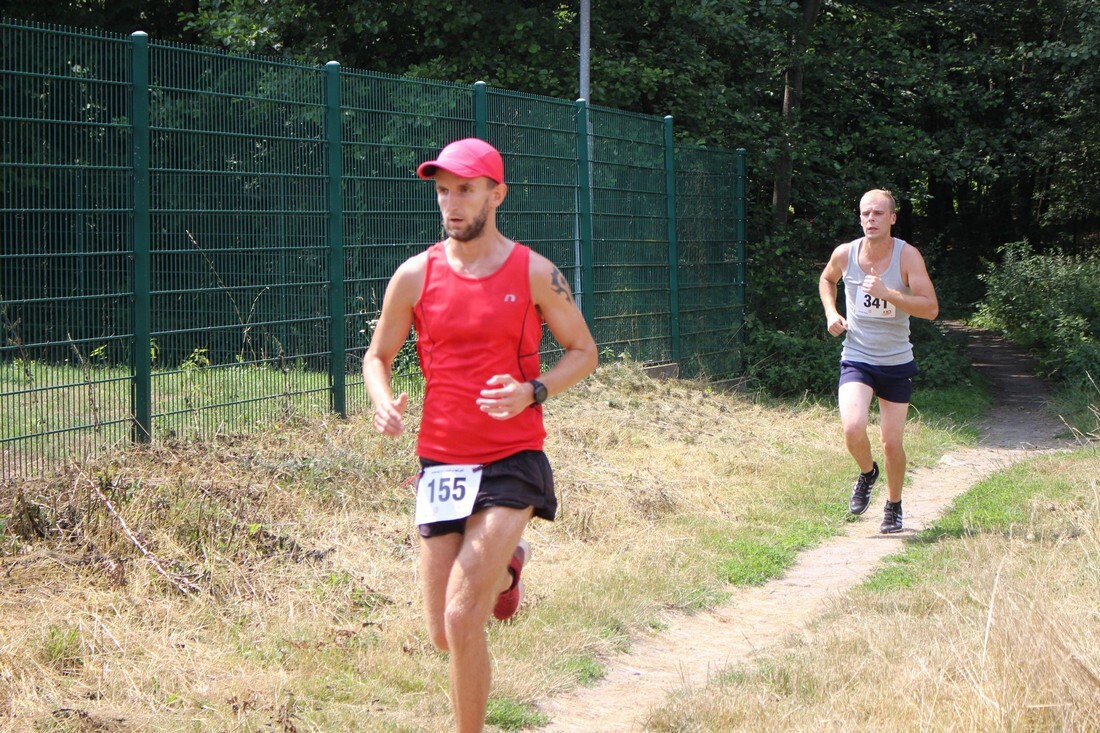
{"x": 540, "y": 392}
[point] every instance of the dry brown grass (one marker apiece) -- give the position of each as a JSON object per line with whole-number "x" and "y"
{"x": 999, "y": 632}
{"x": 268, "y": 583}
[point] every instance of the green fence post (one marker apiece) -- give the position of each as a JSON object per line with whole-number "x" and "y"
{"x": 141, "y": 399}
{"x": 584, "y": 293}
{"x": 741, "y": 237}
{"x": 673, "y": 245}
{"x": 337, "y": 336}
{"x": 481, "y": 110}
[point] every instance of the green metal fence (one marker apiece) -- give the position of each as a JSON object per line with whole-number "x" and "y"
{"x": 194, "y": 243}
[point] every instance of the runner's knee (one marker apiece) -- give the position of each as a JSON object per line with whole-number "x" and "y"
{"x": 892, "y": 444}
{"x": 438, "y": 634}
{"x": 460, "y": 620}
{"x": 855, "y": 431}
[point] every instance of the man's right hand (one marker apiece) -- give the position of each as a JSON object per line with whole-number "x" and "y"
{"x": 837, "y": 325}
{"x": 388, "y": 418}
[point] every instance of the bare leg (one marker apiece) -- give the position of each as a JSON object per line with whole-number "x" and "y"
{"x": 437, "y": 558}
{"x": 854, "y": 399}
{"x": 892, "y": 426}
{"x": 475, "y": 568}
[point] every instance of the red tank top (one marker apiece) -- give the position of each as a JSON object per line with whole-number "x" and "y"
{"x": 467, "y": 330}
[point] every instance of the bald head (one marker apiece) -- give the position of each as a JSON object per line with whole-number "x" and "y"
{"x": 882, "y": 195}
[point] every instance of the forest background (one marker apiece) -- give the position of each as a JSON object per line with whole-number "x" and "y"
{"x": 982, "y": 117}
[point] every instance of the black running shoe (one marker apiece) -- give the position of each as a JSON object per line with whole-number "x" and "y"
{"x": 861, "y": 492}
{"x": 891, "y": 518}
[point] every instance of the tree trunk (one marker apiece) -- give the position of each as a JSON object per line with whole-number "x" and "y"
{"x": 792, "y": 103}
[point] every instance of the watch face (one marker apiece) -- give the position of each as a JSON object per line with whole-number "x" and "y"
{"x": 540, "y": 392}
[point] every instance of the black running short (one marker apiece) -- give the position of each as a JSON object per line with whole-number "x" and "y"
{"x": 890, "y": 383}
{"x": 518, "y": 481}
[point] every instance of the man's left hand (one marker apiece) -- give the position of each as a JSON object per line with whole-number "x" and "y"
{"x": 509, "y": 398}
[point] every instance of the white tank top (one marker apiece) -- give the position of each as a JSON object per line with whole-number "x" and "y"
{"x": 878, "y": 331}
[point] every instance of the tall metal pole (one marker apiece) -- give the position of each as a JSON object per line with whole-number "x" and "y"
{"x": 337, "y": 289}
{"x": 586, "y": 49}
{"x": 673, "y": 241}
{"x": 141, "y": 388}
{"x": 583, "y": 286}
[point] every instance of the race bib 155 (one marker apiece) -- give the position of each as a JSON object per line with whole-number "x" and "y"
{"x": 447, "y": 492}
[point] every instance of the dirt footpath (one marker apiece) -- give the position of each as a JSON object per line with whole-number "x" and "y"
{"x": 753, "y": 618}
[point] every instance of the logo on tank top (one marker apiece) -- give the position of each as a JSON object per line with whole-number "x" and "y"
{"x": 509, "y": 298}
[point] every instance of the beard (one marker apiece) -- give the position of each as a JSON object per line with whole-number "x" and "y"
{"x": 472, "y": 229}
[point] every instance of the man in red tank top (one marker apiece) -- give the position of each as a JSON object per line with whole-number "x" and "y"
{"x": 478, "y": 301}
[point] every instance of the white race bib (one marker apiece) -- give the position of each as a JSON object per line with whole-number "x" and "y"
{"x": 447, "y": 492}
{"x": 873, "y": 307}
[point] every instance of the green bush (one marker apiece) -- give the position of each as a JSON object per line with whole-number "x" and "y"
{"x": 1049, "y": 304}
{"x": 788, "y": 351}
{"x": 788, "y": 365}
{"x": 782, "y": 285}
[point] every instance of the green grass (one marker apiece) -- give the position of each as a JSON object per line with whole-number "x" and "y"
{"x": 905, "y": 570}
{"x": 1079, "y": 407}
{"x": 511, "y": 715}
{"x": 666, "y": 507}
{"x": 754, "y": 560}
{"x": 985, "y": 621}
{"x": 585, "y": 670}
{"x": 1002, "y": 504}
{"x": 62, "y": 648}
{"x": 52, "y": 411}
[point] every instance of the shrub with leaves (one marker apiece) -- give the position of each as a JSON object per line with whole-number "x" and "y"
{"x": 1047, "y": 303}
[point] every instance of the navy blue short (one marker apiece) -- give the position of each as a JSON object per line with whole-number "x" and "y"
{"x": 890, "y": 383}
{"x": 518, "y": 481}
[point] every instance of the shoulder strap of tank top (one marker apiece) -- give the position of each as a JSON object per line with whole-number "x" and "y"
{"x": 895, "y": 259}
{"x": 853, "y": 255}
{"x": 524, "y": 256}
{"x": 434, "y": 254}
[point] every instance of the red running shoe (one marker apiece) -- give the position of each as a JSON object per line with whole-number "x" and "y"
{"x": 508, "y": 602}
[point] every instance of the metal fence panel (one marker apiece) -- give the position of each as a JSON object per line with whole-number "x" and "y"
{"x": 630, "y": 235}
{"x": 711, "y": 265}
{"x": 238, "y": 240}
{"x": 65, "y": 230}
{"x": 537, "y": 136}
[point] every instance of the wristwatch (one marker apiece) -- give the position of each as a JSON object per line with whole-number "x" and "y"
{"x": 540, "y": 392}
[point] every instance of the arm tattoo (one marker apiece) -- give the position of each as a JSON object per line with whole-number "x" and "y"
{"x": 557, "y": 282}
